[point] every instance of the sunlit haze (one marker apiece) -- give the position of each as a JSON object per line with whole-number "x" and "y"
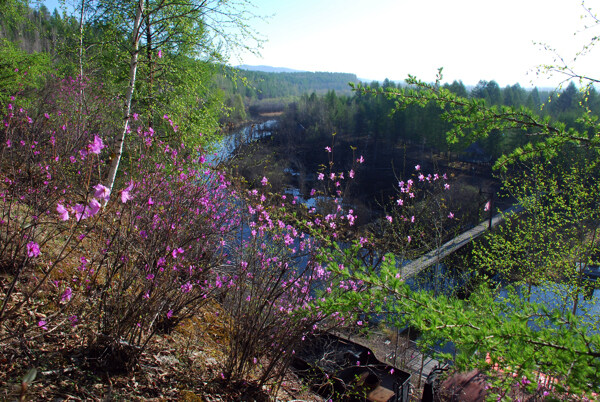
{"x": 471, "y": 39}
{"x": 378, "y": 39}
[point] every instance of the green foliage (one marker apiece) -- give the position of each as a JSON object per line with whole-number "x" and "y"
{"x": 525, "y": 315}
{"x": 474, "y": 119}
{"x": 19, "y": 70}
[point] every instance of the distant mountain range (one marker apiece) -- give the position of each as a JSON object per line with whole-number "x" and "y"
{"x": 269, "y": 69}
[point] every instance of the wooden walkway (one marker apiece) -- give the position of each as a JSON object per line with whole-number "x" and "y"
{"x": 435, "y": 256}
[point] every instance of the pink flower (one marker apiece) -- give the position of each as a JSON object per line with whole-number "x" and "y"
{"x": 400, "y": 201}
{"x": 67, "y": 294}
{"x": 125, "y": 193}
{"x": 487, "y": 206}
{"x": 264, "y": 181}
{"x": 101, "y": 192}
{"x": 451, "y": 215}
{"x": 361, "y": 159}
{"x": 96, "y": 146}
{"x": 446, "y": 186}
{"x": 408, "y": 238}
{"x": 42, "y": 325}
{"x": 62, "y": 212}
{"x": 94, "y": 207}
{"x": 328, "y": 149}
{"x": 79, "y": 212}
{"x": 351, "y": 174}
{"x": 320, "y": 176}
{"x": 177, "y": 251}
{"x": 418, "y": 167}
{"x": 33, "y": 249}
{"x": 150, "y": 201}
{"x": 169, "y": 313}
{"x": 359, "y": 323}
{"x": 160, "y": 54}
{"x": 389, "y": 218}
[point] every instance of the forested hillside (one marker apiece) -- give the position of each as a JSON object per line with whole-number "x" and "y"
{"x": 359, "y": 115}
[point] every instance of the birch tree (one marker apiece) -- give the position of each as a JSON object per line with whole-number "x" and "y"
{"x": 203, "y": 30}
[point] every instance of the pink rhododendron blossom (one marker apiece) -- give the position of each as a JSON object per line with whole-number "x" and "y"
{"x": 487, "y": 206}
{"x": 389, "y": 218}
{"x": 160, "y": 54}
{"x": 177, "y": 251}
{"x": 42, "y": 325}
{"x": 102, "y": 192}
{"x": 400, "y": 201}
{"x": 94, "y": 207}
{"x": 62, "y": 212}
{"x": 361, "y": 159}
{"x": 79, "y": 212}
{"x": 126, "y": 193}
{"x": 328, "y": 149}
{"x": 96, "y": 146}
{"x": 264, "y": 181}
{"x": 33, "y": 249}
{"x": 67, "y": 295}
{"x": 320, "y": 176}
{"x": 408, "y": 238}
{"x": 451, "y": 215}
{"x": 418, "y": 167}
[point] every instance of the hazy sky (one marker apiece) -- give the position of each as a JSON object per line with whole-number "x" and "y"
{"x": 377, "y": 39}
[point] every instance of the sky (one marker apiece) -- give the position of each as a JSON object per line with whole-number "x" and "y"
{"x": 471, "y": 39}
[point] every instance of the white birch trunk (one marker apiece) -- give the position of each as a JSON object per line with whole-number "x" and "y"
{"x": 118, "y": 148}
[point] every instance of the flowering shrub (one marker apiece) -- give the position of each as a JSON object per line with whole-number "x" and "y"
{"x": 164, "y": 240}
{"x": 121, "y": 266}
{"x": 37, "y": 175}
{"x": 127, "y": 265}
{"x": 277, "y": 274}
